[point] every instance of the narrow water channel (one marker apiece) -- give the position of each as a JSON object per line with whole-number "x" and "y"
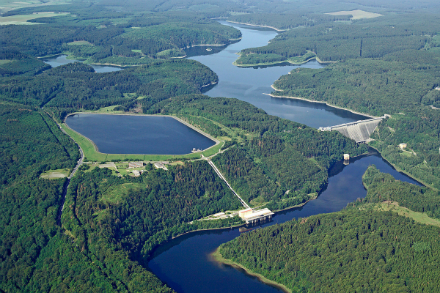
{"x": 62, "y": 60}
{"x": 184, "y": 263}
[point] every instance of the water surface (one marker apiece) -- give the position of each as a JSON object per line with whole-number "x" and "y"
{"x": 185, "y": 263}
{"x": 126, "y": 134}
{"x": 62, "y": 60}
{"x": 252, "y": 83}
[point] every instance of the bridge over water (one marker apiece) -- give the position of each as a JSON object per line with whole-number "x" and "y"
{"x": 359, "y": 131}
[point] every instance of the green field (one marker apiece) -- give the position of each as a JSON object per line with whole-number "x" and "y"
{"x": 116, "y": 193}
{"x": 80, "y": 43}
{"x": 394, "y": 207}
{"x": 55, "y": 174}
{"x": 23, "y": 19}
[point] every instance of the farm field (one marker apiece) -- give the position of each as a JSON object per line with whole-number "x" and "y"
{"x": 22, "y": 19}
{"x": 356, "y": 14}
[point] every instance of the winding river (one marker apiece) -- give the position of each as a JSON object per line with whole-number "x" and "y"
{"x": 184, "y": 264}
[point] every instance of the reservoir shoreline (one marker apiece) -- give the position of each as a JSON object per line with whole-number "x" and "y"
{"x": 216, "y": 141}
{"x": 318, "y": 102}
{"x": 256, "y": 25}
{"x": 218, "y": 258}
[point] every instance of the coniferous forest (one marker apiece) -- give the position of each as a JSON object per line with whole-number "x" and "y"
{"x": 96, "y": 231}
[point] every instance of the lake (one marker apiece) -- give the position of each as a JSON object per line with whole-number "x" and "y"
{"x": 140, "y": 134}
{"x": 62, "y": 60}
{"x": 184, "y": 263}
{"x": 252, "y": 83}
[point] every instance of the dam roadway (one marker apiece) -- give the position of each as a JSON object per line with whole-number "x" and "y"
{"x": 359, "y": 131}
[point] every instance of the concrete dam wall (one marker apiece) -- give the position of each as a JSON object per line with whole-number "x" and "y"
{"x": 359, "y": 131}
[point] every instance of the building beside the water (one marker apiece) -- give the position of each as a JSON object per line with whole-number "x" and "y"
{"x": 253, "y": 216}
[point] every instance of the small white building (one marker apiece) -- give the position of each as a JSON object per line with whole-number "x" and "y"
{"x": 160, "y": 165}
{"x": 402, "y": 146}
{"x": 139, "y": 164}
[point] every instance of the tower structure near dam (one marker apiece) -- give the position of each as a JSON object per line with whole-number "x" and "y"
{"x": 359, "y": 131}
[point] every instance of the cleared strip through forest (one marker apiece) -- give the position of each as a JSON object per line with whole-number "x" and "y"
{"x": 224, "y": 179}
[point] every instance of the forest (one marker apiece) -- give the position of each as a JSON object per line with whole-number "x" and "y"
{"x": 76, "y": 86}
{"x": 402, "y": 84}
{"x": 111, "y": 225}
{"x": 361, "y": 248}
{"x": 117, "y": 38}
{"x": 336, "y": 41}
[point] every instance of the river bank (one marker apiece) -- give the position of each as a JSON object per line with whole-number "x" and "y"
{"x": 319, "y": 102}
{"x": 401, "y": 170}
{"x": 283, "y": 62}
{"x": 218, "y": 258}
{"x": 256, "y": 25}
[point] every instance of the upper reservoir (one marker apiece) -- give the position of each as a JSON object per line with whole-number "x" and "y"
{"x": 62, "y": 60}
{"x": 252, "y": 83}
{"x": 127, "y": 134}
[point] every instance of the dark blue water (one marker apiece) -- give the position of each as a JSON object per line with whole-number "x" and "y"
{"x": 185, "y": 263}
{"x": 62, "y": 60}
{"x": 251, "y": 84}
{"x": 126, "y": 134}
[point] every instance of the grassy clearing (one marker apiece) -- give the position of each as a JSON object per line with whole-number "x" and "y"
{"x": 80, "y": 43}
{"x": 422, "y": 218}
{"x": 357, "y": 14}
{"x": 55, "y": 174}
{"x": 213, "y": 150}
{"x": 116, "y": 193}
{"x": 8, "y": 5}
{"x": 22, "y": 19}
{"x": 109, "y": 109}
{"x": 6, "y": 61}
{"x": 302, "y": 59}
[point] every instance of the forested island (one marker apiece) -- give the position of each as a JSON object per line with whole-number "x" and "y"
{"x": 97, "y": 231}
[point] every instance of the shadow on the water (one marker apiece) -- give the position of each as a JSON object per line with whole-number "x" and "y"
{"x": 206, "y": 50}
{"x": 320, "y": 106}
{"x": 158, "y": 250}
{"x": 208, "y": 88}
